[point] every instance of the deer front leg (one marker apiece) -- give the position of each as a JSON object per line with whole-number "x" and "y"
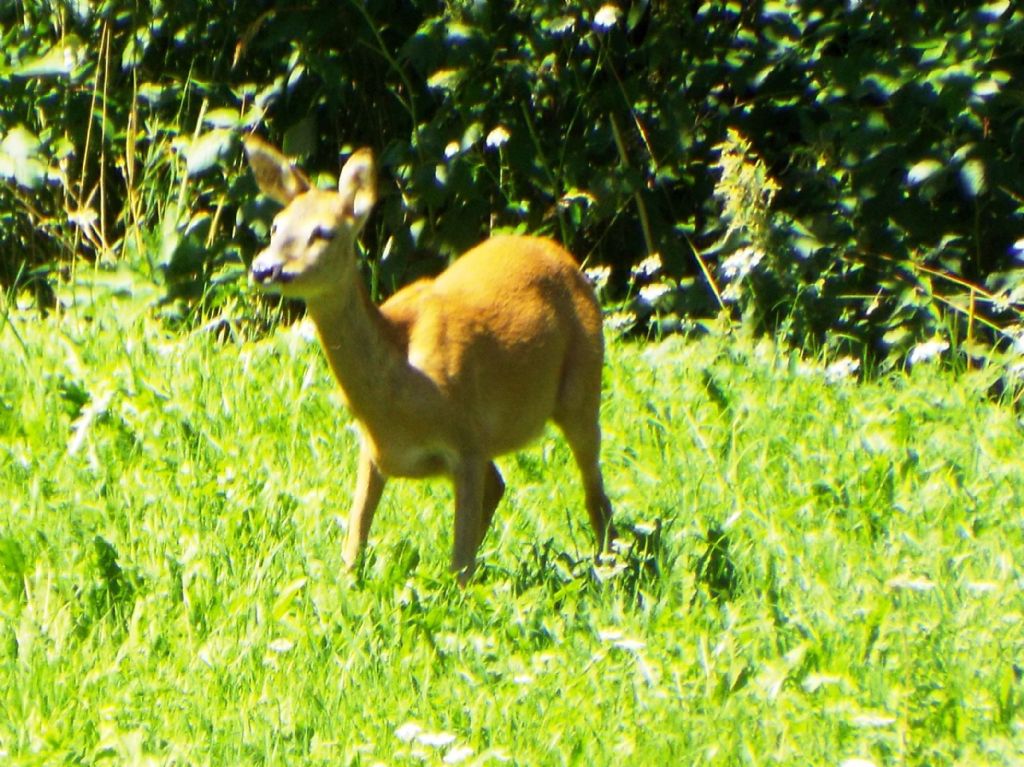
{"x": 469, "y": 501}
{"x": 369, "y": 486}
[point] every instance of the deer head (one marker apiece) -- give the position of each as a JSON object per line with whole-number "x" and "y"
{"x": 312, "y": 240}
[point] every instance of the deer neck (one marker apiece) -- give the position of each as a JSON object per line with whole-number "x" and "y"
{"x": 362, "y": 351}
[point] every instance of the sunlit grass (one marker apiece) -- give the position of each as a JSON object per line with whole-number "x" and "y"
{"x": 836, "y": 572}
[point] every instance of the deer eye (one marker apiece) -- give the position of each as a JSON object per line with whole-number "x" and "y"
{"x": 321, "y": 233}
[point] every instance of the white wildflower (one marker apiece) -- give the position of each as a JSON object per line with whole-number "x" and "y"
{"x": 606, "y": 16}
{"x": 304, "y": 330}
{"x": 977, "y": 588}
{"x": 620, "y": 320}
{"x": 649, "y": 294}
{"x": 909, "y": 583}
{"x": 457, "y": 754}
{"x": 632, "y": 645}
{"x": 435, "y": 739}
{"x": 841, "y": 369}
{"x": 497, "y": 137}
{"x": 741, "y": 263}
{"x": 649, "y": 267}
{"x": 451, "y": 149}
{"x": 408, "y": 731}
{"x": 927, "y": 350}
{"x": 732, "y": 293}
{"x": 281, "y": 645}
{"x": 873, "y": 720}
{"x": 598, "y": 275}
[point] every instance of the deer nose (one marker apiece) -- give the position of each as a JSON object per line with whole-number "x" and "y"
{"x": 265, "y": 269}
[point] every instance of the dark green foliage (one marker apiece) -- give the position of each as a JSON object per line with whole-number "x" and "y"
{"x": 891, "y": 130}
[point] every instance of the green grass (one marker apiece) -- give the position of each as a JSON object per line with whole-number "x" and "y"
{"x": 171, "y": 591}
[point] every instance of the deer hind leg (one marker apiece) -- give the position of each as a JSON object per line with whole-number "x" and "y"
{"x": 577, "y": 415}
{"x": 369, "y": 486}
{"x": 585, "y": 442}
{"x": 494, "y": 488}
{"x": 476, "y": 496}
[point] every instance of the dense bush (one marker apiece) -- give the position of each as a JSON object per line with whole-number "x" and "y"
{"x": 837, "y": 170}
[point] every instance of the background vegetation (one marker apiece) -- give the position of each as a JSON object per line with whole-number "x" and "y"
{"x": 825, "y": 571}
{"x": 859, "y": 162}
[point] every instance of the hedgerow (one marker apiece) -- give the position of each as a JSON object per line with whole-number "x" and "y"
{"x": 837, "y": 172}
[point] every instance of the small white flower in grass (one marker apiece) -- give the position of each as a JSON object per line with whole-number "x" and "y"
{"x": 927, "y": 350}
{"x": 620, "y": 320}
{"x": 606, "y": 17}
{"x": 281, "y": 645}
{"x": 304, "y": 330}
{"x": 457, "y": 755}
{"x": 408, "y": 731}
{"x": 873, "y": 720}
{"x": 649, "y": 267}
{"x": 598, "y": 275}
{"x": 616, "y": 638}
{"x": 451, "y": 149}
{"x": 497, "y": 137}
{"x": 979, "y": 588}
{"x": 650, "y": 294}
{"x": 435, "y": 739}
{"x": 631, "y": 645}
{"x": 909, "y": 583}
{"x": 841, "y": 369}
{"x": 523, "y": 679}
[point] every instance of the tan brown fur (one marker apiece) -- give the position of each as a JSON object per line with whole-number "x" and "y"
{"x": 450, "y": 372}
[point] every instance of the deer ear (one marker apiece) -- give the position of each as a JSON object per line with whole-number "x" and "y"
{"x": 358, "y": 184}
{"x": 276, "y": 177}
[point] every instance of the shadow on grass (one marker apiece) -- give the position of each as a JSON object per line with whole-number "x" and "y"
{"x": 634, "y": 566}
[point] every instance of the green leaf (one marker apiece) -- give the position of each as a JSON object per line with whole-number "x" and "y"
{"x": 19, "y": 158}
{"x": 993, "y": 11}
{"x": 205, "y": 151}
{"x": 983, "y": 89}
{"x": 445, "y": 79}
{"x": 559, "y": 25}
{"x": 222, "y": 118}
{"x": 922, "y": 171}
{"x": 60, "y": 61}
{"x": 457, "y": 32}
{"x": 972, "y": 174}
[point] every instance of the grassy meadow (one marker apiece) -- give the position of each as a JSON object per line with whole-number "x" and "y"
{"x": 823, "y": 571}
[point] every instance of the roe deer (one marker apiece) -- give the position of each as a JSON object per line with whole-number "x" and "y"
{"x": 450, "y": 372}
